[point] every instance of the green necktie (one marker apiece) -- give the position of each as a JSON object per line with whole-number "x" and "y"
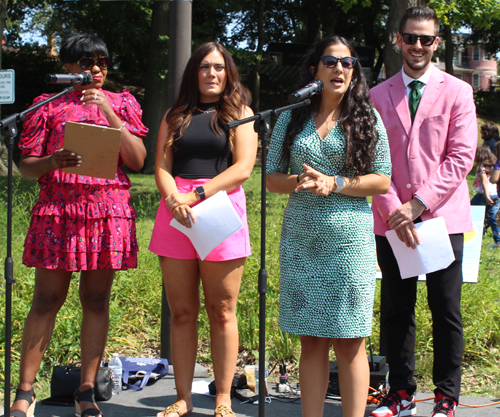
{"x": 415, "y": 96}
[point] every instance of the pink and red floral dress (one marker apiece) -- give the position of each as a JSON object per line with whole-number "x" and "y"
{"x": 80, "y": 222}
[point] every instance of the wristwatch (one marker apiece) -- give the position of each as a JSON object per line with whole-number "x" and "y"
{"x": 340, "y": 184}
{"x": 201, "y": 192}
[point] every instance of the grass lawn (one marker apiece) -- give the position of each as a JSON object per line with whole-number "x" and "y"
{"x": 136, "y": 300}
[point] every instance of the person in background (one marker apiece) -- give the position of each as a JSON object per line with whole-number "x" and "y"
{"x": 431, "y": 123}
{"x": 329, "y": 157}
{"x": 489, "y": 134}
{"x": 79, "y": 223}
{"x": 484, "y": 185}
{"x": 195, "y": 159}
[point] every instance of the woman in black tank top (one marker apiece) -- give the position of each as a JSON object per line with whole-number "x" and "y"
{"x": 195, "y": 159}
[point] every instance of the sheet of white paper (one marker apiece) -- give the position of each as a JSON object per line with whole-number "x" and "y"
{"x": 201, "y": 387}
{"x": 216, "y": 220}
{"x": 433, "y": 254}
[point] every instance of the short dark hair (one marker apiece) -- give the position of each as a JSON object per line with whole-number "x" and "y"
{"x": 79, "y": 45}
{"x": 420, "y": 14}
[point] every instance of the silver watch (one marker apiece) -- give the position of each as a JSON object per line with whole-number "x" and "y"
{"x": 340, "y": 184}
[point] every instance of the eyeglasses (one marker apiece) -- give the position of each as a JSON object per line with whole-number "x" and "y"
{"x": 331, "y": 61}
{"x": 411, "y": 39}
{"x": 88, "y": 63}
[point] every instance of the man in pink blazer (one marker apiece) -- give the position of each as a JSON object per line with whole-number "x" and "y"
{"x": 432, "y": 145}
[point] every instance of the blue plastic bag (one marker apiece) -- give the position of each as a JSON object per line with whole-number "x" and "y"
{"x": 142, "y": 368}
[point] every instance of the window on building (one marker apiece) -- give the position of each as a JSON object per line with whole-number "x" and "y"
{"x": 459, "y": 76}
{"x": 475, "y": 80}
{"x": 455, "y": 57}
{"x": 476, "y": 54}
{"x": 487, "y": 56}
{"x": 464, "y": 56}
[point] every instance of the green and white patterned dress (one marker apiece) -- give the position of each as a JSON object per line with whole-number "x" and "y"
{"x": 327, "y": 248}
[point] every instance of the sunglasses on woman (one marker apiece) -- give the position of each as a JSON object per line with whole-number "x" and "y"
{"x": 411, "y": 39}
{"x": 88, "y": 63}
{"x": 331, "y": 61}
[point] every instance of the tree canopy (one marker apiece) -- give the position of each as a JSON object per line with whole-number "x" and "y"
{"x": 246, "y": 27}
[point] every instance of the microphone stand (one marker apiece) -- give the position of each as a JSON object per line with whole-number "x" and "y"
{"x": 262, "y": 125}
{"x": 9, "y": 129}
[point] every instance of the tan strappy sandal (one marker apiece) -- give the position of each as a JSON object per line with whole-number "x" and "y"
{"x": 223, "y": 410}
{"x": 174, "y": 408}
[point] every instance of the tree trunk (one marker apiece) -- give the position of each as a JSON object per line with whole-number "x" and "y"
{"x": 448, "y": 55}
{"x": 3, "y": 15}
{"x": 392, "y": 56}
{"x": 256, "y": 67}
{"x": 3, "y": 159}
{"x": 3, "y": 147}
{"x": 155, "y": 98}
{"x": 313, "y": 23}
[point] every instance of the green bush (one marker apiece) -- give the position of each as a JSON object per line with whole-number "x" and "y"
{"x": 488, "y": 104}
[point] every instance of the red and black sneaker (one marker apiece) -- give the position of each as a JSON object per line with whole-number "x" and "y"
{"x": 444, "y": 406}
{"x": 395, "y": 406}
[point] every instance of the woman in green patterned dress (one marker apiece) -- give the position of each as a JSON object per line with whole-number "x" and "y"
{"x": 329, "y": 157}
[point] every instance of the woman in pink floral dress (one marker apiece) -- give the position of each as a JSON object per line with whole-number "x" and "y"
{"x": 79, "y": 223}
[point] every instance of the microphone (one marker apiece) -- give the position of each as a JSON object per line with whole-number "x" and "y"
{"x": 309, "y": 90}
{"x": 83, "y": 78}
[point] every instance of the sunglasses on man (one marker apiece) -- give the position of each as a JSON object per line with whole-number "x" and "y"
{"x": 347, "y": 62}
{"x": 88, "y": 63}
{"x": 411, "y": 39}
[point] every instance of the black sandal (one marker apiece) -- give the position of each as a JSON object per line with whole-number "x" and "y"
{"x": 30, "y": 398}
{"x": 88, "y": 396}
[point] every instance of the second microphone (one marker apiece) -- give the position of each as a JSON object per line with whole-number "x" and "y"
{"x": 314, "y": 87}
{"x": 82, "y": 78}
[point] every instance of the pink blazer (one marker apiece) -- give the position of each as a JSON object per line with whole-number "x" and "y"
{"x": 432, "y": 157}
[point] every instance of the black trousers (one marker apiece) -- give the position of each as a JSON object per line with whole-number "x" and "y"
{"x": 399, "y": 296}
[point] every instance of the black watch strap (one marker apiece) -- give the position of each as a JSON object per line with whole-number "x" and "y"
{"x": 201, "y": 192}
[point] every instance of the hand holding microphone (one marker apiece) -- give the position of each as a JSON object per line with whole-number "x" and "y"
{"x": 314, "y": 87}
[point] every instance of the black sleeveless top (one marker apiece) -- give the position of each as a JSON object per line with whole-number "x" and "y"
{"x": 199, "y": 152}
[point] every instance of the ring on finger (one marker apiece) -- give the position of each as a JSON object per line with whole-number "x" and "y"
{"x": 95, "y": 96}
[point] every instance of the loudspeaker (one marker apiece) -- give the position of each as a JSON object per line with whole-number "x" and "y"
{"x": 377, "y": 377}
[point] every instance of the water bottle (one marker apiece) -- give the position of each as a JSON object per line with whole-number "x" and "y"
{"x": 115, "y": 364}
{"x": 257, "y": 378}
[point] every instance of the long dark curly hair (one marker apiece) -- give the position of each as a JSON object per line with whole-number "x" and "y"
{"x": 229, "y": 107}
{"x": 357, "y": 119}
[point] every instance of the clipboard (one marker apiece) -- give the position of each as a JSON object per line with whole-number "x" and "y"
{"x": 98, "y": 146}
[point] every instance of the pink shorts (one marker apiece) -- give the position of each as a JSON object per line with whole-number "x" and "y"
{"x": 169, "y": 242}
